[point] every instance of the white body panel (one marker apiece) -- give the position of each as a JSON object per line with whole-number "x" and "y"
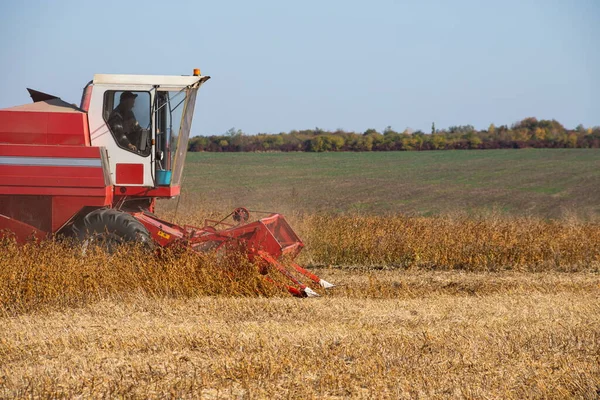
{"x": 101, "y": 136}
{"x": 148, "y": 80}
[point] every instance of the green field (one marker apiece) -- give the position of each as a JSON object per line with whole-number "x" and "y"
{"x": 538, "y": 182}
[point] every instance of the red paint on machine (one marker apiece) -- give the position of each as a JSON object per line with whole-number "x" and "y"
{"x": 130, "y": 174}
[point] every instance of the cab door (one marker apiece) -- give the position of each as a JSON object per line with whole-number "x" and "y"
{"x": 125, "y": 130}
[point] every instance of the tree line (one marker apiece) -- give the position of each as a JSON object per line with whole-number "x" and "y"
{"x": 529, "y": 132}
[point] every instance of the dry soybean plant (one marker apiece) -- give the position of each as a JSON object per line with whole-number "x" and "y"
{"x": 489, "y": 243}
{"x": 55, "y": 273}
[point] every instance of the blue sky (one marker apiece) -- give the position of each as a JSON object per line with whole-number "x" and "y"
{"x": 278, "y": 65}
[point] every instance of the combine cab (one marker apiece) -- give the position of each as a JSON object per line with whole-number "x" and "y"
{"x": 94, "y": 172}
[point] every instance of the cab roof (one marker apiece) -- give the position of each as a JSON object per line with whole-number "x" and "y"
{"x": 160, "y": 80}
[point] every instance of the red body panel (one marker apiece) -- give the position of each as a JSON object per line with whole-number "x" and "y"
{"x": 104, "y": 193}
{"x": 49, "y": 151}
{"x": 161, "y": 191}
{"x": 129, "y": 174}
{"x": 31, "y": 210}
{"x": 65, "y": 207}
{"x": 51, "y": 176}
{"x": 21, "y": 231}
{"x": 47, "y": 170}
{"x": 87, "y": 97}
{"x": 45, "y": 186}
{"x": 39, "y": 127}
{"x": 45, "y": 213}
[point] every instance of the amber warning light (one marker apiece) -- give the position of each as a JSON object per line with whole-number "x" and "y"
{"x": 196, "y": 71}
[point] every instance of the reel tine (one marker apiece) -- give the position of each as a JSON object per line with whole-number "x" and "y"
{"x": 310, "y": 293}
{"x": 326, "y": 285}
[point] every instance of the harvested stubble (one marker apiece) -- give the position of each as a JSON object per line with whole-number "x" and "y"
{"x": 513, "y": 344}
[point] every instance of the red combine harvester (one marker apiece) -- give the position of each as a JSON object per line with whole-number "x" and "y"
{"x": 94, "y": 172}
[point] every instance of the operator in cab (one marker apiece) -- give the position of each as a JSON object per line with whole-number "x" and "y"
{"x": 123, "y": 123}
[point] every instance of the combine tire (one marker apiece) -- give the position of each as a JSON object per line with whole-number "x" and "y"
{"x": 108, "y": 228}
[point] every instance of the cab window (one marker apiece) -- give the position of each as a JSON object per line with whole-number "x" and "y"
{"x": 128, "y": 116}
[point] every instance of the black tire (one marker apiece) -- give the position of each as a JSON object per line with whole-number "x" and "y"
{"x": 108, "y": 228}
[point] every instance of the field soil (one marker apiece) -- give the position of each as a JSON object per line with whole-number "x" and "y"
{"x": 547, "y": 183}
